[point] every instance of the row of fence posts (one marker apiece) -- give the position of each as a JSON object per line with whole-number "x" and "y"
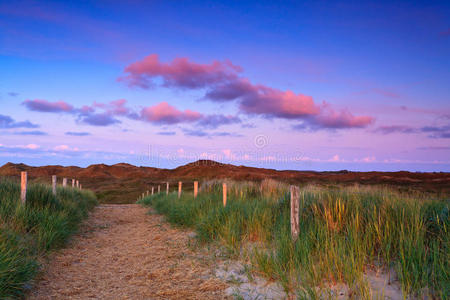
{"x": 180, "y": 189}
{"x": 294, "y": 209}
{"x": 24, "y": 183}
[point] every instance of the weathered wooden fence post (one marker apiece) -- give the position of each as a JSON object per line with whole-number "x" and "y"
{"x": 73, "y": 182}
{"x": 23, "y": 186}
{"x": 195, "y": 189}
{"x": 179, "y": 188}
{"x": 167, "y": 188}
{"x": 224, "y": 187}
{"x": 147, "y": 193}
{"x": 159, "y": 189}
{"x": 81, "y": 186}
{"x": 295, "y": 212}
{"x": 54, "y": 184}
{"x": 64, "y": 182}
{"x": 78, "y": 184}
{"x": 153, "y": 190}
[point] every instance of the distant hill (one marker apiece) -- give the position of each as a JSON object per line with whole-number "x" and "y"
{"x": 123, "y": 183}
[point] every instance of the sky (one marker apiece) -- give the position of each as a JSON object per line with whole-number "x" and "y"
{"x": 311, "y": 85}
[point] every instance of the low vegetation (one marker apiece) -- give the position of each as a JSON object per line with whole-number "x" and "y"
{"x": 345, "y": 232}
{"x": 28, "y": 232}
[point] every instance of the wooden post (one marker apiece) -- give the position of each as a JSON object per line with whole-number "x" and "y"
{"x": 295, "y": 210}
{"x": 73, "y": 183}
{"x": 179, "y": 188}
{"x": 224, "y": 187}
{"x": 147, "y": 193}
{"x": 167, "y": 188}
{"x": 81, "y": 186}
{"x": 78, "y": 184}
{"x": 64, "y": 182}
{"x": 153, "y": 190}
{"x": 23, "y": 186}
{"x": 159, "y": 189}
{"x": 54, "y": 184}
{"x": 195, "y": 189}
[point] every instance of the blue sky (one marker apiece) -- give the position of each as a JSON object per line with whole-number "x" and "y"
{"x": 325, "y": 86}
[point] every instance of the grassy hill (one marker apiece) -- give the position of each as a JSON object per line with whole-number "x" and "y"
{"x": 123, "y": 183}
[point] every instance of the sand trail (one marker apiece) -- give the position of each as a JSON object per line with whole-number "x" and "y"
{"x": 122, "y": 252}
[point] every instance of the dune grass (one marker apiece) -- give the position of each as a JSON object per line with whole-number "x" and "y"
{"x": 27, "y": 232}
{"x": 344, "y": 233}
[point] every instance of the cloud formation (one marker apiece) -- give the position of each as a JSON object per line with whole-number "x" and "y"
{"x": 72, "y": 133}
{"x": 216, "y": 120}
{"x": 33, "y": 132}
{"x": 395, "y": 129}
{"x": 441, "y": 131}
{"x": 223, "y": 83}
{"x": 166, "y": 133}
{"x": 179, "y": 73}
{"x": 6, "y": 122}
{"x": 201, "y": 133}
{"x": 105, "y": 114}
{"x": 86, "y": 114}
{"x": 164, "y": 113}
{"x": 46, "y": 106}
{"x": 101, "y": 119}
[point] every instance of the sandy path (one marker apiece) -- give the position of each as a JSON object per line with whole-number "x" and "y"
{"x": 122, "y": 252}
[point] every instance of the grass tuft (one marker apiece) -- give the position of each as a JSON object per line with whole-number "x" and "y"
{"x": 29, "y": 231}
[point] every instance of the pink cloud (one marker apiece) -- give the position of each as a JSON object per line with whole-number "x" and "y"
{"x": 46, "y": 106}
{"x": 222, "y": 83}
{"x": 179, "y": 73}
{"x": 164, "y": 113}
{"x": 270, "y": 102}
{"x": 329, "y": 118}
{"x": 113, "y": 108}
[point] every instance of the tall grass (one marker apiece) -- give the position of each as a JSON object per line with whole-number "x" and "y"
{"x": 29, "y": 231}
{"x": 344, "y": 232}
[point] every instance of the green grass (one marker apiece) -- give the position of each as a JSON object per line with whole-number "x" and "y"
{"x": 27, "y": 232}
{"x": 344, "y": 233}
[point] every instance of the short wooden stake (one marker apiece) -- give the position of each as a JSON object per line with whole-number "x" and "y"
{"x": 159, "y": 189}
{"x": 64, "y": 182}
{"x": 224, "y": 187}
{"x": 78, "y": 184}
{"x": 179, "y": 188}
{"x": 54, "y": 184}
{"x": 73, "y": 183}
{"x": 153, "y": 190}
{"x": 295, "y": 212}
{"x": 195, "y": 189}
{"x": 23, "y": 186}
{"x": 167, "y": 188}
{"x": 81, "y": 186}
{"x": 147, "y": 193}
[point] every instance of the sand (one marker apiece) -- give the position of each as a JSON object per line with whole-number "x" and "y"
{"x": 122, "y": 252}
